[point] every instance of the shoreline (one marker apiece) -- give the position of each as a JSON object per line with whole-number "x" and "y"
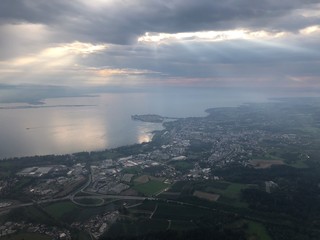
{"x": 208, "y": 111}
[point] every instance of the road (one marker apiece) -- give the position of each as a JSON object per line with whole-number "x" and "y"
{"x": 72, "y": 197}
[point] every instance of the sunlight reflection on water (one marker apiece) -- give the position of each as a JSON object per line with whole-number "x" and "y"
{"x": 67, "y": 125}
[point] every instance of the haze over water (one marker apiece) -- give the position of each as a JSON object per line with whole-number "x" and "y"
{"x": 68, "y": 125}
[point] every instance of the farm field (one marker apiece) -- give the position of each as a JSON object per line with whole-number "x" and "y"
{"x": 138, "y": 227}
{"x": 261, "y": 164}
{"x": 206, "y": 196}
{"x": 178, "y": 212}
{"x": 58, "y": 210}
{"x": 257, "y": 231}
{"x": 222, "y": 191}
{"x": 151, "y": 188}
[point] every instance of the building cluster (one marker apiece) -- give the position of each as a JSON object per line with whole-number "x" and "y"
{"x": 53, "y": 187}
{"x": 53, "y": 181}
{"x": 97, "y": 225}
{"x": 110, "y": 177}
{"x": 9, "y": 228}
{"x": 106, "y": 178}
{"x": 188, "y": 149}
{"x": 204, "y": 144}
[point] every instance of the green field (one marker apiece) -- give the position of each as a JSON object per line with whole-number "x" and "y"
{"x": 32, "y": 214}
{"x": 299, "y": 164}
{"x": 182, "y": 225}
{"x": 230, "y": 193}
{"x": 178, "y": 186}
{"x": 26, "y": 236}
{"x": 84, "y": 213}
{"x": 257, "y": 231}
{"x": 69, "y": 212}
{"x": 138, "y": 227}
{"x": 179, "y": 212}
{"x": 36, "y": 214}
{"x": 58, "y": 210}
{"x": 293, "y": 161}
{"x": 190, "y": 186}
{"x": 151, "y": 188}
{"x": 233, "y": 190}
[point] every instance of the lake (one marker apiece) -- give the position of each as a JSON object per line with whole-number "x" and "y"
{"x": 68, "y": 125}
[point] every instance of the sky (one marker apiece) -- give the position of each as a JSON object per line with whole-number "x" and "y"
{"x": 265, "y": 44}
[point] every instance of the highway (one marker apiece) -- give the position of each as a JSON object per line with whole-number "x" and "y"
{"x": 72, "y": 197}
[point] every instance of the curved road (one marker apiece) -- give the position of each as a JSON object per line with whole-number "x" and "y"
{"x": 72, "y": 198}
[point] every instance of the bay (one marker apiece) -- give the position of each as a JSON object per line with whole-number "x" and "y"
{"x": 68, "y": 125}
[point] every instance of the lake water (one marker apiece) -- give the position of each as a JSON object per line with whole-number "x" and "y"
{"x": 67, "y": 125}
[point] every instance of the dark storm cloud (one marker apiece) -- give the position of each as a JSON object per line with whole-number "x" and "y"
{"x": 36, "y": 11}
{"x": 53, "y": 42}
{"x": 122, "y": 21}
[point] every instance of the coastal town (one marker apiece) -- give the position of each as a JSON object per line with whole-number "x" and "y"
{"x": 187, "y": 150}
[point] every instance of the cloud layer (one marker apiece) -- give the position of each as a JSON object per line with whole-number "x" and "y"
{"x": 265, "y": 43}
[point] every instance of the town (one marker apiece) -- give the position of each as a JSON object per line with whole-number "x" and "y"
{"x": 188, "y": 152}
